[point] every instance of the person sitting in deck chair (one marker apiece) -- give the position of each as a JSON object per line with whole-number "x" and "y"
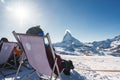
{"x": 63, "y": 65}
{"x": 16, "y": 51}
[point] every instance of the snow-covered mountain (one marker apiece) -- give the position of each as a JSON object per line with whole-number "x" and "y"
{"x": 105, "y": 44}
{"x": 112, "y": 46}
{"x": 71, "y": 45}
{"x": 68, "y": 41}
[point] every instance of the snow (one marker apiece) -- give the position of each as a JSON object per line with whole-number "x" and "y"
{"x": 85, "y": 68}
{"x": 72, "y": 44}
{"x": 68, "y": 41}
{"x": 85, "y": 64}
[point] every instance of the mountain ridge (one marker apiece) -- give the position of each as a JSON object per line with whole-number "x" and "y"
{"x": 71, "y": 45}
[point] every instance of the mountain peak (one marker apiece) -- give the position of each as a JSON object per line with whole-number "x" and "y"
{"x": 69, "y": 40}
{"x": 68, "y": 35}
{"x": 67, "y": 31}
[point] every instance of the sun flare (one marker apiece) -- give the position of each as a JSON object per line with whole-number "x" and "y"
{"x": 2, "y": 1}
{"x": 21, "y": 13}
{"x": 18, "y": 12}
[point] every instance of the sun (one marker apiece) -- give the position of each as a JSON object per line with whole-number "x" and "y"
{"x": 2, "y": 1}
{"x": 20, "y": 13}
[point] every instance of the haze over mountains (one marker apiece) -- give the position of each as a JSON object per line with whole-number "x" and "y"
{"x": 71, "y": 45}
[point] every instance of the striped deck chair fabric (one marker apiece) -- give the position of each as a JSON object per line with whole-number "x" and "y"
{"x": 34, "y": 48}
{"x": 6, "y": 51}
{"x": 35, "y": 51}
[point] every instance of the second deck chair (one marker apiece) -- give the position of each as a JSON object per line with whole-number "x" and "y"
{"x": 5, "y": 53}
{"x": 34, "y": 48}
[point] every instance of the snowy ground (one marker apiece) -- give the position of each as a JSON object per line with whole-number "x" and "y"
{"x": 85, "y": 67}
{"x": 85, "y": 64}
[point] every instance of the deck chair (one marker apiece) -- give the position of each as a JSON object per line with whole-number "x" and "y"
{"x": 34, "y": 49}
{"x": 5, "y": 53}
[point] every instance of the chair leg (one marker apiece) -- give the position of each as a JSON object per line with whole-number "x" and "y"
{"x": 53, "y": 69}
{"x": 18, "y": 70}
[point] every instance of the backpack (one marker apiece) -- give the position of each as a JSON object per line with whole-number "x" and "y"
{"x": 68, "y": 65}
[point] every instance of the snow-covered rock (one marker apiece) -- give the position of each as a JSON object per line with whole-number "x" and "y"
{"x": 71, "y": 45}
{"x": 68, "y": 41}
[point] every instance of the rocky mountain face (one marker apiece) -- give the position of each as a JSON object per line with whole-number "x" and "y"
{"x": 68, "y": 41}
{"x": 71, "y": 45}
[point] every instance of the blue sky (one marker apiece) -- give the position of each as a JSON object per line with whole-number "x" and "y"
{"x": 88, "y": 20}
